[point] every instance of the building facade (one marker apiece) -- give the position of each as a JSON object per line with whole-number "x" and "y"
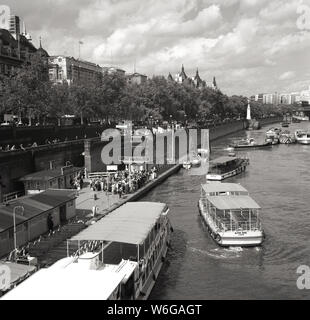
{"x": 136, "y": 78}
{"x": 69, "y": 69}
{"x": 13, "y": 53}
{"x": 32, "y": 221}
{"x": 195, "y": 81}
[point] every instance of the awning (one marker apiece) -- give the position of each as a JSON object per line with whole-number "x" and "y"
{"x": 131, "y": 224}
{"x": 223, "y": 160}
{"x": 223, "y": 187}
{"x": 233, "y": 202}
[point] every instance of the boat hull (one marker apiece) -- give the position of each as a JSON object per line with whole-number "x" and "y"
{"x": 251, "y": 146}
{"x": 236, "y": 238}
{"x": 146, "y": 289}
{"x": 303, "y": 141}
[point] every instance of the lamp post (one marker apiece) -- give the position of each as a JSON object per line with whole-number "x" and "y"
{"x": 14, "y": 225}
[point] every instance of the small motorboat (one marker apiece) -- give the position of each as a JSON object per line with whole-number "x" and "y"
{"x": 250, "y": 143}
{"x": 302, "y": 136}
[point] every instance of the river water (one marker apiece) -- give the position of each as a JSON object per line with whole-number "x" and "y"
{"x": 196, "y": 268}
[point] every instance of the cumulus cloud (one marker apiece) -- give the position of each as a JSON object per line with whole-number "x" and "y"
{"x": 247, "y": 44}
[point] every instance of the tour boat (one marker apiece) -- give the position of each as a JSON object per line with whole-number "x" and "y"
{"x": 302, "y": 136}
{"x": 231, "y": 215}
{"x": 249, "y": 143}
{"x": 117, "y": 258}
{"x": 226, "y": 167}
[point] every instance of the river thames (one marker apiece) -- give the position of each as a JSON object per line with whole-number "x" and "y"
{"x": 196, "y": 268}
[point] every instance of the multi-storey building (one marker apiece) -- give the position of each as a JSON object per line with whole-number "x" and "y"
{"x": 69, "y": 69}
{"x": 13, "y": 52}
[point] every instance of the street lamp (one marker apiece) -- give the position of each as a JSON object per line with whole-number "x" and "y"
{"x": 14, "y": 225}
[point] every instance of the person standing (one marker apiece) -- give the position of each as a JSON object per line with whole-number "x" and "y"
{"x": 50, "y": 223}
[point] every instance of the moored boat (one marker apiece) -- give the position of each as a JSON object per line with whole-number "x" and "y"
{"x": 231, "y": 215}
{"x": 119, "y": 257}
{"x": 226, "y": 167}
{"x": 300, "y": 118}
{"x": 302, "y": 136}
{"x": 287, "y": 138}
{"x": 250, "y": 143}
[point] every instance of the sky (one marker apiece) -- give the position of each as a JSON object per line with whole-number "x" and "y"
{"x": 250, "y": 46}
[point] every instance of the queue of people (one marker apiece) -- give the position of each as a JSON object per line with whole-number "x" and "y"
{"x": 123, "y": 182}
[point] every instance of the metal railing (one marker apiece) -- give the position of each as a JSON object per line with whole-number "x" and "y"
{"x": 13, "y": 195}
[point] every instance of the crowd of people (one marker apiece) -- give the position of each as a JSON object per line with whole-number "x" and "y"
{"x": 123, "y": 182}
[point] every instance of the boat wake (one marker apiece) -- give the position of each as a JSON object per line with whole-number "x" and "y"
{"x": 219, "y": 253}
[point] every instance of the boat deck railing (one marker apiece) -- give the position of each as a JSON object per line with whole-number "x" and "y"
{"x": 225, "y": 224}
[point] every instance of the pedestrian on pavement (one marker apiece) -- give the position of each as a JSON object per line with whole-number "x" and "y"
{"x": 50, "y": 223}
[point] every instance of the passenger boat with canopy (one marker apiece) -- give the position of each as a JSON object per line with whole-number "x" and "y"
{"x": 117, "y": 258}
{"x": 226, "y": 167}
{"x": 231, "y": 215}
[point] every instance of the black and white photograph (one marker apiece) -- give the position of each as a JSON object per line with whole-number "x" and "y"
{"x": 154, "y": 150}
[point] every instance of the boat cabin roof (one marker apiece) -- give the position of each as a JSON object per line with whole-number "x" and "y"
{"x": 223, "y": 160}
{"x": 233, "y": 202}
{"x": 214, "y": 187}
{"x": 131, "y": 223}
{"x": 67, "y": 280}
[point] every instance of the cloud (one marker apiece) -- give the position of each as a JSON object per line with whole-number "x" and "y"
{"x": 247, "y": 44}
{"x": 288, "y": 75}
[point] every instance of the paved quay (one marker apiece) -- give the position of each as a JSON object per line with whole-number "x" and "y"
{"x": 108, "y": 202}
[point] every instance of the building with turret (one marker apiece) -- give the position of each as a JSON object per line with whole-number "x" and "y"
{"x": 195, "y": 81}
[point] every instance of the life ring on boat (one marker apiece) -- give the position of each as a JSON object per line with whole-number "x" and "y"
{"x": 218, "y": 238}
